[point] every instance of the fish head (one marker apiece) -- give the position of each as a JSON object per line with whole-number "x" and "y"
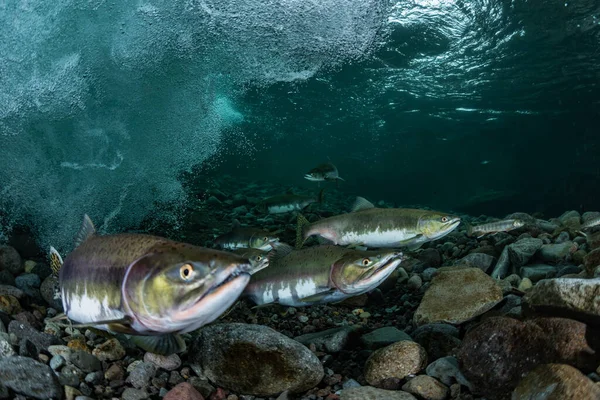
{"x": 315, "y": 175}
{"x": 360, "y": 271}
{"x": 263, "y": 241}
{"x": 258, "y": 262}
{"x": 435, "y": 225}
{"x": 517, "y": 223}
{"x": 180, "y": 291}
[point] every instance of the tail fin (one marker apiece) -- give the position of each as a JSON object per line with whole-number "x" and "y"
{"x": 320, "y": 197}
{"x": 300, "y": 228}
{"x": 339, "y": 178}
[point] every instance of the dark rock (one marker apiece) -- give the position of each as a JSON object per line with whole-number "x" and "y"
{"x": 331, "y": 340}
{"x": 521, "y": 251}
{"x": 442, "y": 328}
{"x": 30, "y": 378}
{"x": 6, "y": 349}
{"x": 49, "y": 290}
{"x": 430, "y": 257}
{"x": 395, "y": 361}
{"x": 41, "y": 340}
{"x": 556, "y": 382}
{"x": 538, "y": 272}
{"x": 169, "y": 363}
{"x": 591, "y": 261}
{"x": 6, "y": 278}
{"x": 70, "y": 376}
{"x": 477, "y": 260}
{"x": 383, "y": 337}
{"x": 7, "y": 290}
{"x": 85, "y": 361}
{"x": 202, "y": 386}
{"x": 437, "y": 343}
{"x": 10, "y": 260}
{"x": 27, "y": 349}
{"x": 42, "y": 270}
{"x": 446, "y": 370}
{"x": 27, "y": 281}
{"x": 498, "y": 352}
{"x": 254, "y": 359}
{"x": 556, "y": 252}
{"x": 134, "y": 394}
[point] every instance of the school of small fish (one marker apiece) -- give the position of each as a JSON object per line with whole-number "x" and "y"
{"x": 152, "y": 289}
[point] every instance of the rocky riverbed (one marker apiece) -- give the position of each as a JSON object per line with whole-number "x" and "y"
{"x": 510, "y": 315}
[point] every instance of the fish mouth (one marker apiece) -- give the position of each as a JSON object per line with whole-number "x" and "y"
{"x": 311, "y": 178}
{"x": 388, "y": 264}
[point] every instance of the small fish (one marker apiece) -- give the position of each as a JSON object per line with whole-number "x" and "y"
{"x": 259, "y": 259}
{"x": 288, "y": 202}
{"x": 591, "y": 223}
{"x": 368, "y": 226}
{"x": 323, "y": 172}
{"x": 493, "y": 227}
{"x": 246, "y": 237}
{"x": 146, "y": 286}
{"x": 319, "y": 274}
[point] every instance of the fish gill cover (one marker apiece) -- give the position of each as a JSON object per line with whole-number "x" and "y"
{"x": 102, "y": 104}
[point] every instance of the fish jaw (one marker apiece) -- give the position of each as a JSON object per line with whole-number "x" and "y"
{"x": 446, "y": 229}
{"x": 313, "y": 178}
{"x": 388, "y": 264}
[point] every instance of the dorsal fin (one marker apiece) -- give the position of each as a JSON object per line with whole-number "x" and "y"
{"x": 87, "y": 229}
{"x": 56, "y": 260}
{"x": 236, "y": 224}
{"x": 361, "y": 204}
{"x": 279, "y": 251}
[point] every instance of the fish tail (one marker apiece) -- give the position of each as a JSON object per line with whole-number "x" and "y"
{"x": 320, "y": 197}
{"x": 300, "y": 229}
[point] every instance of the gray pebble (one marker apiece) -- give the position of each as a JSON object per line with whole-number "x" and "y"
{"x": 57, "y": 362}
{"x": 94, "y": 377}
{"x": 142, "y": 374}
{"x": 134, "y": 394}
{"x": 70, "y": 376}
{"x": 27, "y": 281}
{"x": 10, "y": 260}
{"x": 350, "y": 383}
{"x": 29, "y": 377}
{"x": 427, "y": 275}
{"x": 85, "y": 361}
{"x": 6, "y": 349}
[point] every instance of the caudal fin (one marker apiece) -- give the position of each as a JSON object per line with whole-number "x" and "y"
{"x": 300, "y": 228}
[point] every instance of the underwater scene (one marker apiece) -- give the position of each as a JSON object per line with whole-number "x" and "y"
{"x": 300, "y": 200}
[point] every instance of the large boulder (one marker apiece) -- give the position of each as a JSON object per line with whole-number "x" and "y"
{"x": 254, "y": 359}
{"x": 556, "y": 382}
{"x": 395, "y": 362}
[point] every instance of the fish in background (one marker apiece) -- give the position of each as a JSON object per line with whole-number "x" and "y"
{"x": 506, "y": 225}
{"x": 149, "y": 288}
{"x": 319, "y": 274}
{"x": 259, "y": 259}
{"x": 289, "y": 202}
{"x": 246, "y": 237}
{"x": 368, "y": 226}
{"x": 324, "y": 172}
{"x": 590, "y": 223}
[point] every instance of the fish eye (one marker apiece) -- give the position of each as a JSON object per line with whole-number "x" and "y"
{"x": 258, "y": 258}
{"x": 185, "y": 272}
{"x": 445, "y": 219}
{"x": 266, "y": 239}
{"x": 366, "y": 261}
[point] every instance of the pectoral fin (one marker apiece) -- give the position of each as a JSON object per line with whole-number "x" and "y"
{"x": 164, "y": 344}
{"x": 412, "y": 243}
{"x": 317, "y": 297}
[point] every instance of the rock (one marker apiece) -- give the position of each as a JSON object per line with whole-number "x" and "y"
{"x": 48, "y": 291}
{"x": 525, "y": 285}
{"x": 457, "y": 295}
{"x": 395, "y": 361}
{"x": 10, "y": 260}
{"x": 30, "y": 378}
{"x": 477, "y": 260}
{"x": 428, "y": 274}
{"x": 240, "y": 210}
{"x": 521, "y": 251}
{"x": 415, "y": 282}
{"x": 134, "y": 394}
{"x": 426, "y": 387}
{"x": 498, "y": 352}
{"x": 23, "y": 330}
{"x": 254, "y": 359}
{"x": 575, "y": 298}
{"x": 7, "y": 290}
{"x": 6, "y": 278}
{"x": 111, "y": 350}
{"x": 6, "y": 349}
{"x": 331, "y": 340}
{"x": 202, "y": 386}
{"x": 57, "y": 362}
{"x": 562, "y": 237}
{"x": 556, "y": 382}
{"x": 42, "y": 270}
{"x": 141, "y": 375}
{"x": 446, "y": 370}
{"x": 9, "y": 304}
{"x": 556, "y": 252}
{"x": 502, "y": 268}
{"x": 567, "y": 215}
{"x": 538, "y": 272}
{"x": 27, "y": 281}
{"x": 371, "y": 393}
{"x": 114, "y": 373}
{"x": 85, "y": 361}
{"x": 183, "y": 391}
{"x": 70, "y": 376}
{"x": 169, "y": 363}
{"x": 383, "y": 337}
{"x": 439, "y": 340}
{"x": 430, "y": 257}
{"x": 591, "y": 261}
